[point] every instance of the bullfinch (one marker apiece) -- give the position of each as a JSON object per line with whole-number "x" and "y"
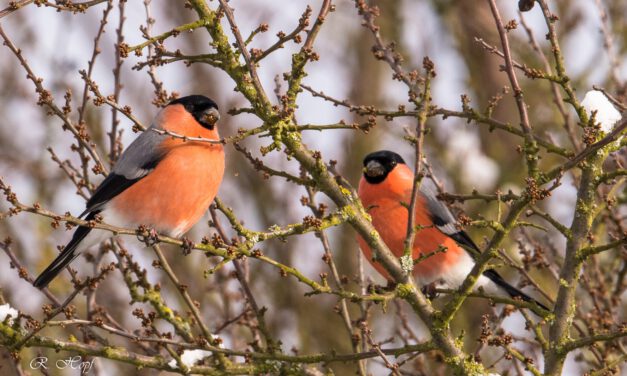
{"x": 160, "y": 181}
{"x": 385, "y": 191}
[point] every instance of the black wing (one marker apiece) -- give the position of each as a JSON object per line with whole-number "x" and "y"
{"x": 137, "y": 161}
{"x": 459, "y": 236}
{"x": 112, "y": 186}
{"x": 115, "y": 183}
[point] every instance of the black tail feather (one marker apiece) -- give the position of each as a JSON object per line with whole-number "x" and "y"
{"x": 67, "y": 256}
{"x": 511, "y": 290}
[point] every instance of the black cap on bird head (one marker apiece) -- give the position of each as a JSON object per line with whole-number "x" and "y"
{"x": 378, "y": 165}
{"x": 203, "y": 109}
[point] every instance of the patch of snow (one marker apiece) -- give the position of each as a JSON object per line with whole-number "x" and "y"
{"x": 7, "y": 311}
{"x": 606, "y": 114}
{"x": 190, "y": 358}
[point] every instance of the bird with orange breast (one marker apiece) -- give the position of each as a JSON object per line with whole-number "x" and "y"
{"x": 385, "y": 191}
{"x": 160, "y": 181}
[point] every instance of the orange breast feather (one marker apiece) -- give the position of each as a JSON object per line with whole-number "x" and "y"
{"x": 174, "y": 196}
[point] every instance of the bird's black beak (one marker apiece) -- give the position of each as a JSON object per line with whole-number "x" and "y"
{"x": 210, "y": 117}
{"x": 374, "y": 169}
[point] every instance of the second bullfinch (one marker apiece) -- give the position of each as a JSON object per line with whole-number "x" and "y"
{"x": 159, "y": 181}
{"x": 385, "y": 190}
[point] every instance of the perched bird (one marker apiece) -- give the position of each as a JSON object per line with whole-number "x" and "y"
{"x": 159, "y": 181}
{"x": 385, "y": 190}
